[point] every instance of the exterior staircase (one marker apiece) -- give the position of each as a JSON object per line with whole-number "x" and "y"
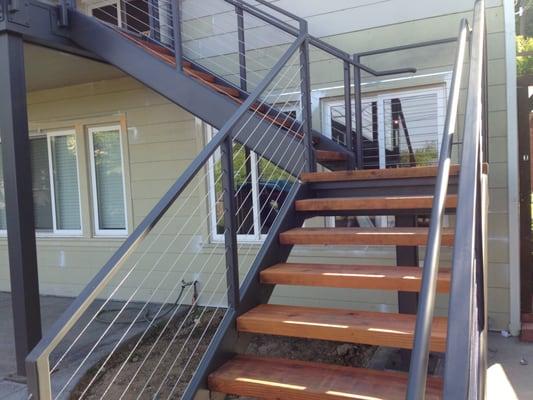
{"x": 267, "y": 378}
{"x": 245, "y": 117}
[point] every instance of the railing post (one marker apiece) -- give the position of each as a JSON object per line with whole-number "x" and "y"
{"x": 230, "y": 223}
{"x": 358, "y": 150}
{"x": 64, "y": 7}
{"x": 242, "y": 47}
{"x": 176, "y": 29}
{"x": 307, "y": 125}
{"x": 348, "y": 112}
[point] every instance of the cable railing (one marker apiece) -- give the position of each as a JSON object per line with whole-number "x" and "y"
{"x": 171, "y": 255}
{"x": 466, "y": 340}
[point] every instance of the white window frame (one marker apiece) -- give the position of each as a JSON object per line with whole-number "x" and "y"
{"x": 439, "y": 89}
{"x": 257, "y": 237}
{"x": 55, "y": 231}
{"x": 94, "y": 191}
{"x": 380, "y": 98}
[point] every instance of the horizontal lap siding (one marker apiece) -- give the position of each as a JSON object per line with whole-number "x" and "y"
{"x": 163, "y": 139}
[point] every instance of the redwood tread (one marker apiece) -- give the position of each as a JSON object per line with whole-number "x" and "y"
{"x": 362, "y": 327}
{"x": 362, "y": 236}
{"x": 373, "y": 174}
{"x": 199, "y": 74}
{"x": 371, "y": 203}
{"x": 326, "y": 155}
{"x": 379, "y": 277}
{"x": 280, "y": 379}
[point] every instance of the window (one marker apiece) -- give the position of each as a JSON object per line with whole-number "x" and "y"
{"x": 260, "y": 190}
{"x": 400, "y": 129}
{"x": 131, "y": 14}
{"x": 107, "y": 178}
{"x": 56, "y": 197}
{"x": 110, "y": 13}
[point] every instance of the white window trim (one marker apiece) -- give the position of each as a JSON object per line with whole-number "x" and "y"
{"x": 439, "y": 89}
{"x": 257, "y": 237}
{"x": 94, "y": 194}
{"x": 55, "y": 231}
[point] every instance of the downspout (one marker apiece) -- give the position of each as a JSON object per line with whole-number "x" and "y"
{"x": 512, "y": 168}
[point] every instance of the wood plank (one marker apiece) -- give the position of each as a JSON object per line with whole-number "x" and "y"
{"x": 275, "y": 379}
{"x": 376, "y": 174}
{"x": 199, "y": 74}
{"x": 371, "y": 203}
{"x": 362, "y": 236}
{"x": 363, "y": 327}
{"x": 326, "y": 155}
{"x": 379, "y": 277}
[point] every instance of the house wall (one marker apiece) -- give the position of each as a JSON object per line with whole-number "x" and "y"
{"x": 162, "y": 140}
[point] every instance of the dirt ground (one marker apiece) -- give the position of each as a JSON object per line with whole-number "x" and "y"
{"x": 126, "y": 375}
{"x": 150, "y": 380}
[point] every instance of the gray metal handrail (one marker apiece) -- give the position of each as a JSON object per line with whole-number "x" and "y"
{"x": 420, "y": 355}
{"x": 37, "y": 362}
{"x": 463, "y": 356}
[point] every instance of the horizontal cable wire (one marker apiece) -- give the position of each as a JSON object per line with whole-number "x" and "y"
{"x": 117, "y": 315}
{"x": 103, "y": 305}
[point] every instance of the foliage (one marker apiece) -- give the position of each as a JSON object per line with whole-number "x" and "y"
{"x": 524, "y": 64}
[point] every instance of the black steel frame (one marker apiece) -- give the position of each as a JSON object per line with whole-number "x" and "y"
{"x": 65, "y": 29}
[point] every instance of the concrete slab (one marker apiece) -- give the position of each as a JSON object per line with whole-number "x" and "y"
{"x": 510, "y": 374}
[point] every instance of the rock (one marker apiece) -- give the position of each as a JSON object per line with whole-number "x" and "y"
{"x": 343, "y": 349}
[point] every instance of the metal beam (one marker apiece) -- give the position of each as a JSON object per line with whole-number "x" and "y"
{"x": 19, "y": 199}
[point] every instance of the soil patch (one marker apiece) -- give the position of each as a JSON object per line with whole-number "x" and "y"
{"x": 161, "y": 366}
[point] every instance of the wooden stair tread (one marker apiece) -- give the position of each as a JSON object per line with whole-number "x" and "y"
{"x": 363, "y": 327}
{"x": 327, "y": 155}
{"x": 373, "y": 174}
{"x": 371, "y": 203}
{"x": 275, "y": 379}
{"x": 362, "y": 236}
{"x": 381, "y": 277}
{"x": 199, "y": 74}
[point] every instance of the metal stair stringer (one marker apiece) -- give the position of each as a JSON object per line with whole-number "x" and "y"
{"x": 188, "y": 93}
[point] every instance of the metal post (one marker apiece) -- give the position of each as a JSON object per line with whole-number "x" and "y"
{"x": 348, "y": 112}
{"x": 176, "y": 29}
{"x": 242, "y": 48}
{"x": 18, "y": 198}
{"x": 358, "y": 150}
{"x": 406, "y": 256}
{"x": 230, "y": 223}
{"x": 307, "y": 125}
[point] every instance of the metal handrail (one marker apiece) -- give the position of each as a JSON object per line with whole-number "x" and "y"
{"x": 461, "y": 366}
{"x": 319, "y": 43}
{"x": 38, "y": 360}
{"x": 420, "y": 355}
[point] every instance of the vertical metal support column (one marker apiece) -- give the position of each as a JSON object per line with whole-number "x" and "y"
{"x": 307, "y": 116}
{"x": 358, "y": 150}
{"x": 242, "y": 48}
{"x": 406, "y": 256}
{"x": 348, "y": 112}
{"x": 176, "y": 29}
{"x": 230, "y": 223}
{"x": 19, "y": 198}
{"x": 485, "y": 83}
